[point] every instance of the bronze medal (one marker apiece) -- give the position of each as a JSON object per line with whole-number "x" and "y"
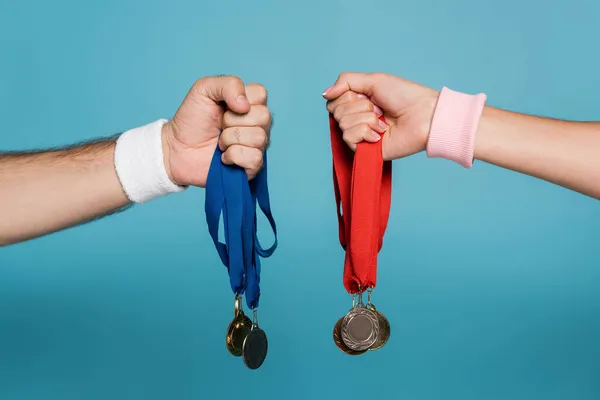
{"x": 384, "y": 330}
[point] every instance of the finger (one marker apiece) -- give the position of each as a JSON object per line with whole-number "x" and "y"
{"x": 358, "y": 106}
{"x": 359, "y": 133}
{"x": 248, "y": 136}
{"x": 258, "y": 115}
{"x": 358, "y": 82}
{"x": 347, "y": 97}
{"x": 229, "y": 89}
{"x": 249, "y": 158}
{"x": 256, "y": 94}
{"x": 369, "y": 118}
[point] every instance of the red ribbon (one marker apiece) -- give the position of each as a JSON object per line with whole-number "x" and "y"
{"x": 363, "y": 192}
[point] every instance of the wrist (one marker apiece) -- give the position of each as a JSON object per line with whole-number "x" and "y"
{"x": 454, "y": 125}
{"x": 141, "y": 161}
{"x": 167, "y": 148}
{"x": 427, "y": 110}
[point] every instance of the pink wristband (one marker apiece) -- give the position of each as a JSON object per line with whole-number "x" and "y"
{"x": 454, "y": 124}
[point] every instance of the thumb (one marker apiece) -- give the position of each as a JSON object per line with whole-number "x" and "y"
{"x": 357, "y": 82}
{"x": 228, "y": 89}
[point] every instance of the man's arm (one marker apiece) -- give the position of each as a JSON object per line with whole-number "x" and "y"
{"x": 43, "y": 192}
{"x": 46, "y": 191}
{"x": 562, "y": 152}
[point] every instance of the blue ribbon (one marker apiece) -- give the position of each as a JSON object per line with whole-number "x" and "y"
{"x": 229, "y": 193}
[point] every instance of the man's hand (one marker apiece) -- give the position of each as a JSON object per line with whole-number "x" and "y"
{"x": 357, "y": 100}
{"x": 216, "y": 104}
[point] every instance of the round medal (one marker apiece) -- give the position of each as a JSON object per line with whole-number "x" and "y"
{"x": 384, "y": 330}
{"x": 360, "y": 328}
{"x": 254, "y": 349}
{"x": 237, "y": 331}
{"x": 337, "y": 338}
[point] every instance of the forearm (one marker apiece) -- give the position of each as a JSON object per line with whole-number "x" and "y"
{"x": 45, "y": 192}
{"x": 565, "y": 153}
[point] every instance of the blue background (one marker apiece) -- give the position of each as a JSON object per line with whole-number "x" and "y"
{"x": 490, "y": 279}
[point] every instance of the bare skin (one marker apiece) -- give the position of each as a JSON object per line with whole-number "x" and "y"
{"x": 562, "y": 152}
{"x": 46, "y": 191}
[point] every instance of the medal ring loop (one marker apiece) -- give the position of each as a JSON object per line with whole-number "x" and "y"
{"x": 255, "y": 317}
{"x": 360, "y": 300}
{"x": 369, "y": 291}
{"x": 237, "y": 304}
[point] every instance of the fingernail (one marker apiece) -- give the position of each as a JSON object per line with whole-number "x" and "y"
{"x": 377, "y": 110}
{"x": 241, "y": 100}
{"x": 327, "y": 90}
{"x": 361, "y": 96}
{"x": 383, "y": 124}
{"x": 375, "y": 135}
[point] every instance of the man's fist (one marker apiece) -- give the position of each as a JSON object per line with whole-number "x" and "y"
{"x": 212, "y": 105}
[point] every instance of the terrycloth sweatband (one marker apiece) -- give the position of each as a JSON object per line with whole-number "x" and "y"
{"x": 454, "y": 125}
{"x": 140, "y": 164}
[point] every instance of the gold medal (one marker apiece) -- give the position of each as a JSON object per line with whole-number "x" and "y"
{"x": 238, "y": 329}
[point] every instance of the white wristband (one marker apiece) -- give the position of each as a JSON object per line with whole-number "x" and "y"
{"x": 140, "y": 164}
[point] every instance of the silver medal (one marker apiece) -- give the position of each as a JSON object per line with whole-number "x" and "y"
{"x": 360, "y": 327}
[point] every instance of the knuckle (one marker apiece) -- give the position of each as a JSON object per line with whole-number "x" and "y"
{"x": 366, "y": 105}
{"x": 232, "y": 82}
{"x": 329, "y": 107}
{"x": 264, "y": 116}
{"x": 261, "y": 92}
{"x": 263, "y": 139}
{"x": 338, "y": 113}
{"x": 257, "y": 159}
{"x": 348, "y": 97}
{"x": 374, "y": 120}
{"x": 364, "y": 129}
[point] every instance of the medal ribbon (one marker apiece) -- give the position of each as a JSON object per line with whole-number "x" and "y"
{"x": 362, "y": 184}
{"x": 229, "y": 193}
